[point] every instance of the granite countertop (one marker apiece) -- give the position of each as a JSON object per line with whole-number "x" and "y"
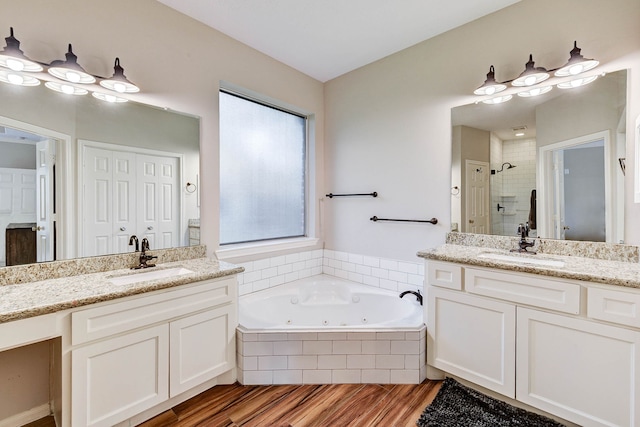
{"x": 19, "y": 301}
{"x": 619, "y": 273}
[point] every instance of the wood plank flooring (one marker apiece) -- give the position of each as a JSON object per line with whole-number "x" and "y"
{"x": 335, "y": 405}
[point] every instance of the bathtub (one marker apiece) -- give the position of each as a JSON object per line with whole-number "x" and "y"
{"x": 323, "y": 330}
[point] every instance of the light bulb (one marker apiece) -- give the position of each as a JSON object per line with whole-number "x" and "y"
{"x": 67, "y": 89}
{"x": 490, "y": 91}
{"x": 15, "y": 65}
{"x": 119, "y": 87}
{"x": 16, "y": 79}
{"x": 529, "y": 81}
{"x": 73, "y": 77}
{"x": 576, "y": 69}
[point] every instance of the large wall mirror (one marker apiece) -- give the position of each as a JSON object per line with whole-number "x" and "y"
{"x": 80, "y": 176}
{"x": 556, "y": 161}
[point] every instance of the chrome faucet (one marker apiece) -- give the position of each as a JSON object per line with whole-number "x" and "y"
{"x": 523, "y": 244}
{"x": 144, "y": 258}
{"x": 417, "y": 294}
{"x": 134, "y": 239}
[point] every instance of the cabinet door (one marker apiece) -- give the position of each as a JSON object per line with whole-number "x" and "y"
{"x": 473, "y": 338}
{"x": 583, "y": 371}
{"x": 201, "y": 348}
{"x": 117, "y": 378}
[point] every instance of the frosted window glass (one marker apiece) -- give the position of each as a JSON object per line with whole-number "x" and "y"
{"x": 262, "y": 172}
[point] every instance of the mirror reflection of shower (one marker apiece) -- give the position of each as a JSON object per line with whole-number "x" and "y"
{"x": 509, "y": 166}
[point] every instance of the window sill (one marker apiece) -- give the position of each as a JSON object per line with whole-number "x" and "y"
{"x": 248, "y": 249}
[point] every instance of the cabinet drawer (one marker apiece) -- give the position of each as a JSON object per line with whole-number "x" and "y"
{"x": 614, "y": 306}
{"x": 444, "y": 274}
{"x": 114, "y": 318}
{"x": 530, "y": 289}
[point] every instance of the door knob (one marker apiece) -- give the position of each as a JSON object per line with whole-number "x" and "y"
{"x": 566, "y": 227}
{"x": 470, "y": 221}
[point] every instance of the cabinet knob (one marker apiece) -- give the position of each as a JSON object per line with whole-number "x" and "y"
{"x": 150, "y": 227}
{"x": 470, "y": 221}
{"x": 123, "y": 228}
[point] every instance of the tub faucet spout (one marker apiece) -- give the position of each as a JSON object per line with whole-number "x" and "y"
{"x": 417, "y": 294}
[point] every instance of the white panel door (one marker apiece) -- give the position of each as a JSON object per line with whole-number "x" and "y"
{"x": 124, "y": 201}
{"x": 45, "y": 235}
{"x": 201, "y": 348}
{"x": 583, "y": 371}
{"x": 473, "y": 338}
{"x": 17, "y": 200}
{"x": 477, "y": 197}
{"x": 98, "y": 202}
{"x": 158, "y": 201}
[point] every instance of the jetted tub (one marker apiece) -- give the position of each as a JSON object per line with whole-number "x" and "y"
{"x": 323, "y": 329}
{"x": 326, "y": 302}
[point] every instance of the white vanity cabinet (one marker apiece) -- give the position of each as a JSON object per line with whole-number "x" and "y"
{"x": 567, "y": 347}
{"x": 133, "y": 354}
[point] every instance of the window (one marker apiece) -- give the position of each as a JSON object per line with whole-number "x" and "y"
{"x": 262, "y": 171}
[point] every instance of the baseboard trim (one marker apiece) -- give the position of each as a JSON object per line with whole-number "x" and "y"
{"x": 26, "y": 417}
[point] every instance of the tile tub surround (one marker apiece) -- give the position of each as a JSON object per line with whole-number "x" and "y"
{"x": 372, "y": 271}
{"x": 20, "y": 301}
{"x": 617, "y": 273}
{"x": 597, "y": 250}
{"x": 331, "y": 357}
{"x": 74, "y": 267}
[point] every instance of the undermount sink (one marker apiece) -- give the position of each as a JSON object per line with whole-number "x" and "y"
{"x": 522, "y": 259}
{"x": 147, "y": 275}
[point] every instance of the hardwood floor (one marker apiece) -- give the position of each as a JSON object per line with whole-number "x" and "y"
{"x": 354, "y": 405}
{"x": 334, "y": 405}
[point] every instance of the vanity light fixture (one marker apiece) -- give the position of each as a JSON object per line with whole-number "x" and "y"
{"x": 13, "y": 58}
{"x": 490, "y": 86}
{"x": 577, "y": 63}
{"x": 531, "y": 75}
{"x": 66, "y": 88}
{"x": 118, "y": 82}
{"x": 69, "y": 69}
{"x": 108, "y": 97}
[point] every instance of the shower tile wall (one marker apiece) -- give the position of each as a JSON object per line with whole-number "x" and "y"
{"x": 495, "y": 158}
{"x": 372, "y": 271}
{"x": 516, "y": 184}
{"x": 520, "y": 180}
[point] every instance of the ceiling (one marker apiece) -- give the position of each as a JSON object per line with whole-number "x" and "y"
{"x": 327, "y": 38}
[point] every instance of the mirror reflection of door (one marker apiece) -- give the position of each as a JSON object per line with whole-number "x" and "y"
{"x": 128, "y": 192}
{"x": 26, "y": 197}
{"x": 577, "y": 184}
{"x": 477, "y": 197}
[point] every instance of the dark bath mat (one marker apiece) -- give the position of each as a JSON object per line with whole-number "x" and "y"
{"x": 456, "y": 405}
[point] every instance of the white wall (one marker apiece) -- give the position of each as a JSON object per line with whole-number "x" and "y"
{"x": 389, "y": 126}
